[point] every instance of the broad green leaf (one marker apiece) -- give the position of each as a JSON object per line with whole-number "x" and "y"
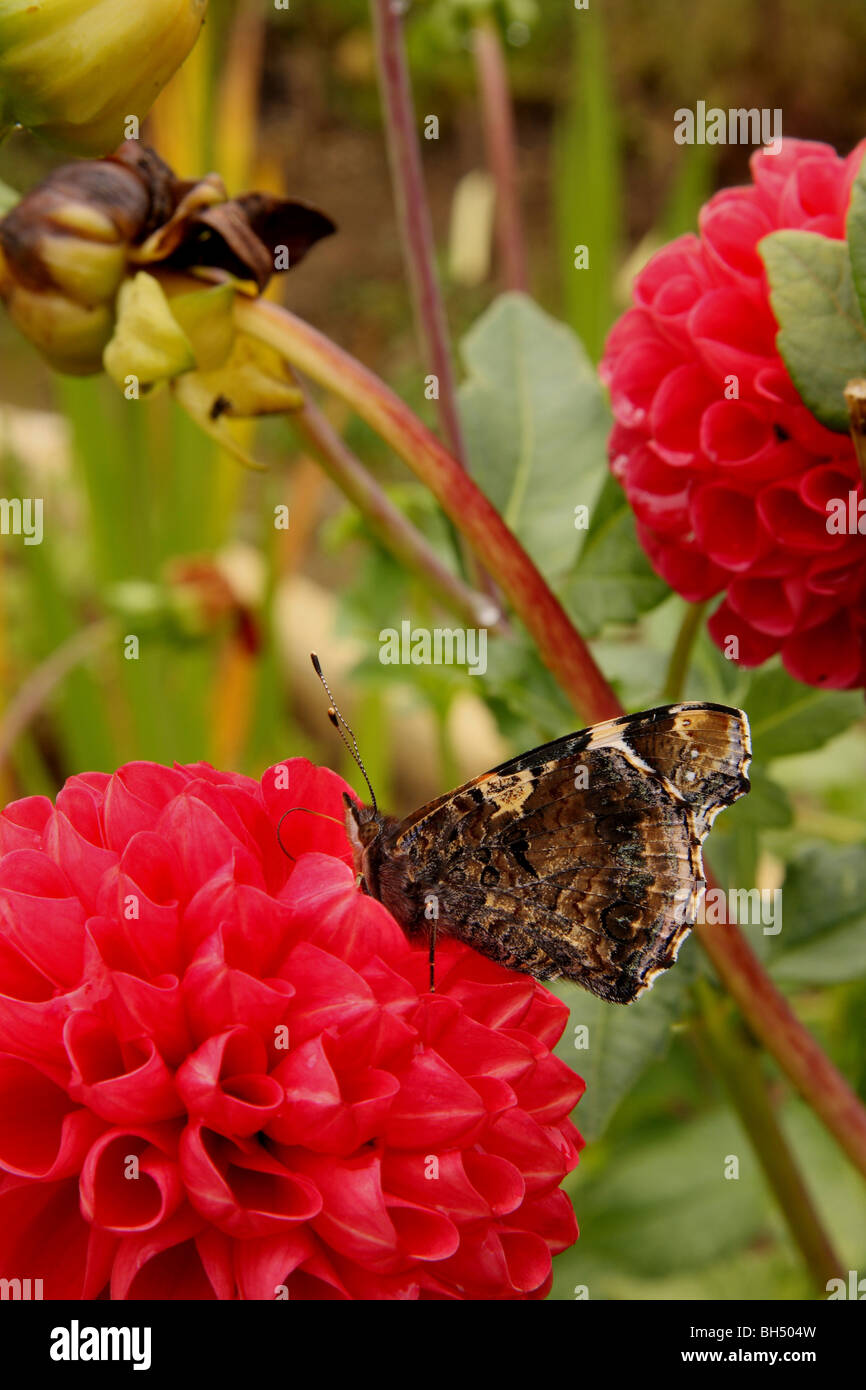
{"x": 823, "y": 937}
{"x": 529, "y": 706}
{"x": 613, "y": 580}
{"x": 535, "y": 424}
{"x": 621, "y": 1042}
{"x": 822, "y": 335}
{"x": 855, "y": 228}
{"x": 766, "y": 807}
{"x": 667, "y": 1205}
{"x": 752, "y": 1273}
{"x": 788, "y": 717}
{"x": 661, "y": 1220}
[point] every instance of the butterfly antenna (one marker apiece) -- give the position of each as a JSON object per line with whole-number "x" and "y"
{"x": 291, "y": 811}
{"x": 337, "y": 720}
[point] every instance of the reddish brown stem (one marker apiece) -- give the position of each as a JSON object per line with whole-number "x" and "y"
{"x": 772, "y": 1020}
{"x": 413, "y": 212}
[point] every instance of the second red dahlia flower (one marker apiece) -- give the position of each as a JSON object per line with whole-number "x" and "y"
{"x": 728, "y": 474}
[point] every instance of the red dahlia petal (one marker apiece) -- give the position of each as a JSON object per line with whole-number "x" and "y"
{"x": 240, "y": 1187}
{"x": 57, "y": 1135}
{"x": 734, "y": 333}
{"x": 44, "y": 1236}
{"x": 225, "y": 1085}
{"x": 22, "y": 823}
{"x": 130, "y": 1180}
{"x": 731, "y": 227}
{"x": 752, "y": 646}
{"x": 435, "y": 1105}
{"x": 830, "y": 654}
{"x": 120, "y": 1082}
{"x": 726, "y": 527}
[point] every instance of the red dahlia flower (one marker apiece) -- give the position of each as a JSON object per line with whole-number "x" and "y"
{"x": 222, "y": 1075}
{"x": 728, "y": 473}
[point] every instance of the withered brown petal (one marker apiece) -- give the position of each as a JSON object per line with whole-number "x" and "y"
{"x": 242, "y": 235}
{"x": 222, "y": 237}
{"x": 286, "y": 222}
{"x": 192, "y": 200}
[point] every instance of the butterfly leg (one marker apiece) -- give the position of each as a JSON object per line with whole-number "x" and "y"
{"x": 433, "y": 957}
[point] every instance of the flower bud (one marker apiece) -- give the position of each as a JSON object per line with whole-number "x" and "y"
{"x": 74, "y": 71}
{"x": 64, "y": 250}
{"x": 71, "y": 245}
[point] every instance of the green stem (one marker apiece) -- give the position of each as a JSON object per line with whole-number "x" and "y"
{"x": 386, "y": 521}
{"x": 739, "y": 1065}
{"x": 567, "y": 656}
{"x": 678, "y": 667}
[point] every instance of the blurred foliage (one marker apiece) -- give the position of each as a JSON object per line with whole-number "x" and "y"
{"x": 132, "y": 490}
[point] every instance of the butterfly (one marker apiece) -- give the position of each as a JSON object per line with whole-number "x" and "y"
{"x": 580, "y": 859}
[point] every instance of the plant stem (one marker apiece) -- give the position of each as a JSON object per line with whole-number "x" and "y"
{"x": 416, "y": 233}
{"x": 774, "y": 1023}
{"x": 567, "y": 656}
{"x": 500, "y": 138}
{"x": 739, "y": 1065}
{"x": 41, "y": 683}
{"x": 386, "y": 521}
{"x": 416, "y": 229}
{"x": 678, "y": 667}
{"x": 562, "y": 649}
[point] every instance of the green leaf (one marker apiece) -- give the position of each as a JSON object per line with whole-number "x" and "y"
{"x": 666, "y": 1205}
{"x": 823, "y": 936}
{"x": 622, "y": 1040}
{"x": 766, "y": 807}
{"x": 613, "y": 580}
{"x": 787, "y": 717}
{"x": 822, "y": 336}
{"x": 535, "y": 423}
{"x": 855, "y": 228}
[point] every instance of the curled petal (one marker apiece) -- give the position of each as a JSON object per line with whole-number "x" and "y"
{"x": 224, "y": 1084}
{"x": 130, "y": 1180}
{"x": 121, "y": 1083}
{"x": 57, "y": 1135}
{"x": 240, "y": 1187}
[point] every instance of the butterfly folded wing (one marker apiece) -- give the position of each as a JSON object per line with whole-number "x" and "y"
{"x": 581, "y": 858}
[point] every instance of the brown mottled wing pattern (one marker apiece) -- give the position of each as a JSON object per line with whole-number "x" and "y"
{"x": 581, "y": 858}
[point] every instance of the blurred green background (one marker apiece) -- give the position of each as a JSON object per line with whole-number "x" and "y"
{"x": 151, "y": 531}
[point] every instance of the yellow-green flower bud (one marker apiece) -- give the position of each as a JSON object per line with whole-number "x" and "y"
{"x": 74, "y": 71}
